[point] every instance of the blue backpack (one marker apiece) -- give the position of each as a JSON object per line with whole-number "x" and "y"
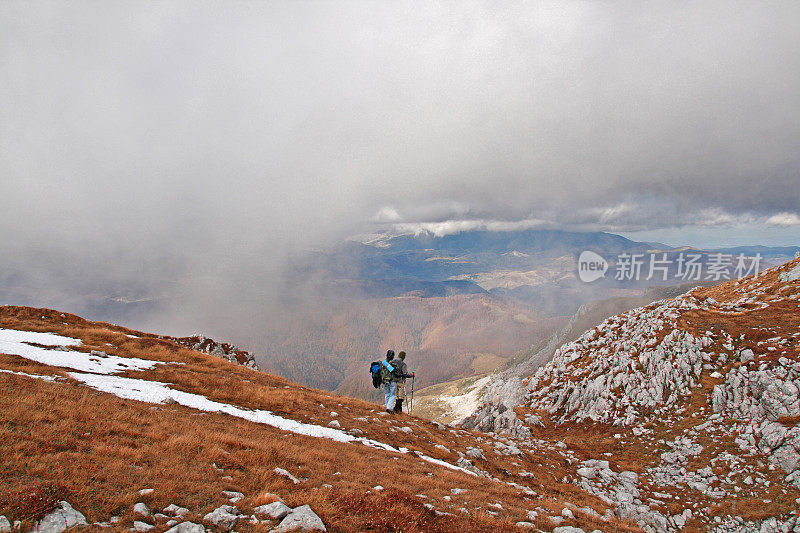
{"x": 381, "y": 372}
{"x": 375, "y": 370}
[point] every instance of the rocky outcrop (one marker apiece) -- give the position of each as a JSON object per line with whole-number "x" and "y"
{"x": 229, "y": 352}
{"x": 620, "y": 369}
{"x": 710, "y": 367}
{"x": 505, "y": 390}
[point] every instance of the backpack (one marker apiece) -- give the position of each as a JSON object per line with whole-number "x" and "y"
{"x": 375, "y": 370}
{"x": 386, "y": 372}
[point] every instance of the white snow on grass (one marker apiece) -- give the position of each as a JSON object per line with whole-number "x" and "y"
{"x": 95, "y": 372}
{"x": 24, "y": 374}
{"x": 156, "y": 392}
{"x": 15, "y": 342}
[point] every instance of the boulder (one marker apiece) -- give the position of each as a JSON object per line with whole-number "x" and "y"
{"x": 176, "y": 510}
{"x": 301, "y": 519}
{"x": 274, "y": 510}
{"x": 62, "y": 518}
{"x": 224, "y": 517}
{"x": 187, "y": 527}
{"x": 141, "y": 509}
{"x": 233, "y": 496}
{"x": 5, "y": 525}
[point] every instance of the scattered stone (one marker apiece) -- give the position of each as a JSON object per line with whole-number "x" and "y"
{"x": 286, "y": 474}
{"x": 62, "y": 518}
{"x": 146, "y": 492}
{"x": 141, "y": 509}
{"x": 458, "y": 491}
{"x": 186, "y": 527}
{"x": 568, "y": 529}
{"x": 141, "y": 526}
{"x": 176, "y": 510}
{"x": 5, "y": 525}
{"x": 224, "y": 517}
{"x": 475, "y": 453}
{"x": 406, "y": 429}
{"x": 274, "y": 510}
{"x": 233, "y": 496}
{"x": 301, "y": 519}
{"x": 377, "y": 488}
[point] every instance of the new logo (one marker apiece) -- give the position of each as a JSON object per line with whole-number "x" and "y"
{"x": 591, "y": 266}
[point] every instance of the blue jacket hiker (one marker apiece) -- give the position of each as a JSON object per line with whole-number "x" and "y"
{"x": 389, "y": 383}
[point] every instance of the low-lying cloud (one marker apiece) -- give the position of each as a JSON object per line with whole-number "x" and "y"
{"x": 227, "y": 136}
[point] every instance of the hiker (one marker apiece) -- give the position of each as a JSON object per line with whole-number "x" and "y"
{"x": 400, "y": 374}
{"x": 389, "y": 383}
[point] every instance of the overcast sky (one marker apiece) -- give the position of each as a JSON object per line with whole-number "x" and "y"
{"x": 226, "y": 133}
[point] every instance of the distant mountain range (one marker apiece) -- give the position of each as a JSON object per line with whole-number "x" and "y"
{"x": 460, "y": 304}
{"x": 537, "y": 268}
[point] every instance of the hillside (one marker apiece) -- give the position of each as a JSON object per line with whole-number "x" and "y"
{"x": 133, "y": 430}
{"x": 462, "y": 304}
{"x": 676, "y": 416}
{"x": 453, "y": 401}
{"x": 697, "y": 395}
{"x": 330, "y": 346}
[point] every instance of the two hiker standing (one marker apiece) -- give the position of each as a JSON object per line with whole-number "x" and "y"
{"x": 393, "y": 374}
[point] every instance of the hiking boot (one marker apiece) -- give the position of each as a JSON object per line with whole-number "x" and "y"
{"x": 398, "y": 406}
{"x": 390, "y": 411}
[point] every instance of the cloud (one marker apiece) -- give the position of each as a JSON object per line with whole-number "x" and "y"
{"x": 227, "y": 137}
{"x": 387, "y": 214}
{"x": 784, "y": 219}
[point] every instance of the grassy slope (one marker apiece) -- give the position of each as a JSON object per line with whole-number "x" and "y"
{"x": 102, "y": 449}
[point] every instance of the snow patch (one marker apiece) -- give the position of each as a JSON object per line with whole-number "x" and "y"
{"x": 37, "y": 376}
{"x": 15, "y": 342}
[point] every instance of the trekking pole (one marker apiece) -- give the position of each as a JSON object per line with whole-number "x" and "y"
{"x": 411, "y": 403}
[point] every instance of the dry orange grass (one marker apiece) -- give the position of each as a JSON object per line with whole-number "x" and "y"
{"x": 103, "y": 449}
